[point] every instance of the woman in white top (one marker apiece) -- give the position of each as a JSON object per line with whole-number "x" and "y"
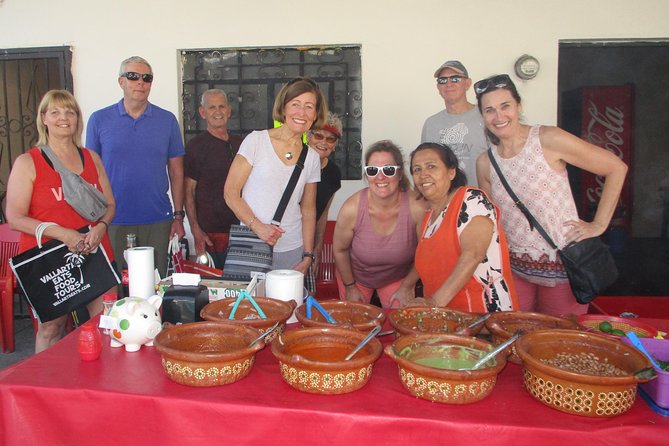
{"x": 534, "y": 159}
{"x": 261, "y": 169}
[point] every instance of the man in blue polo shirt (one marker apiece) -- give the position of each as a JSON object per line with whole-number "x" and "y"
{"x": 142, "y": 150}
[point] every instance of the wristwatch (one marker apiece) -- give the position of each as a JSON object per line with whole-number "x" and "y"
{"x": 309, "y": 254}
{"x": 182, "y": 213}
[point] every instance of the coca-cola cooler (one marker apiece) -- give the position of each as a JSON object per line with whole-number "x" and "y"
{"x": 603, "y": 116}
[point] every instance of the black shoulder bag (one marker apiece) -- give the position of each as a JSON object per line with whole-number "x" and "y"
{"x": 247, "y": 253}
{"x": 589, "y": 264}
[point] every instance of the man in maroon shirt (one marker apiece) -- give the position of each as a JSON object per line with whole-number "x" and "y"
{"x": 206, "y": 165}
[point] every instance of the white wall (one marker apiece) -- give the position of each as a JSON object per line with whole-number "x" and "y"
{"x": 402, "y": 44}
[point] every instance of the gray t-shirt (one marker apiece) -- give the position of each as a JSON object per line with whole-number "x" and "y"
{"x": 463, "y": 133}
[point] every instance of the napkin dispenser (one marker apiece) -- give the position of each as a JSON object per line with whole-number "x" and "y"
{"x": 182, "y": 304}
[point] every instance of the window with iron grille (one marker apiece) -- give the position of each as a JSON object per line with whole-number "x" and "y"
{"x": 251, "y": 78}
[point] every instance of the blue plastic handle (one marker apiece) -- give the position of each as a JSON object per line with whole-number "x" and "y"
{"x": 639, "y": 345}
{"x": 311, "y": 302}
{"x": 243, "y": 294}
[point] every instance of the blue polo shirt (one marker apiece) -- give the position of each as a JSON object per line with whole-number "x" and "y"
{"x": 135, "y": 153}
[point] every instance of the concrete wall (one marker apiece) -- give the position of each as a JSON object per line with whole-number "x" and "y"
{"x": 402, "y": 44}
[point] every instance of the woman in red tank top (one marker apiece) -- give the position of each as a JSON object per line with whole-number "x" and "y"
{"x": 34, "y": 194}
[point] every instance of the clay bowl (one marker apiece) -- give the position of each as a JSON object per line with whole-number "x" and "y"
{"x": 590, "y": 322}
{"x": 312, "y": 359}
{"x": 504, "y": 324}
{"x": 586, "y": 392}
{"x": 435, "y": 320}
{"x": 246, "y": 314}
{"x": 207, "y": 353}
{"x": 362, "y": 317}
{"x": 441, "y": 384}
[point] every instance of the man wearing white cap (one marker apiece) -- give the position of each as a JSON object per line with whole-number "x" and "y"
{"x": 460, "y": 125}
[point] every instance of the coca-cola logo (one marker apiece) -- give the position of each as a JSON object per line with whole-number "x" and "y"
{"x": 604, "y": 130}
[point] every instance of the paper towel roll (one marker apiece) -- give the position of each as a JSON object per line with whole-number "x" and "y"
{"x": 285, "y": 285}
{"x": 141, "y": 278}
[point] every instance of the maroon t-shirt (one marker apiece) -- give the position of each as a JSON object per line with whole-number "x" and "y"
{"x": 208, "y": 161}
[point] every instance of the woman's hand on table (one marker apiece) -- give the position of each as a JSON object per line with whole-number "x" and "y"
{"x": 402, "y": 297}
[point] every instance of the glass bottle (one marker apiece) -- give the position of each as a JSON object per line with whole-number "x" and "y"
{"x": 130, "y": 242}
{"x": 108, "y": 301}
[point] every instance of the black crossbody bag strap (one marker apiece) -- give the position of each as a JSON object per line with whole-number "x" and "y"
{"x": 292, "y": 182}
{"x": 526, "y": 212}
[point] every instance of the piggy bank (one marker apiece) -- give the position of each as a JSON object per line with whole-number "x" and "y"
{"x": 136, "y": 322}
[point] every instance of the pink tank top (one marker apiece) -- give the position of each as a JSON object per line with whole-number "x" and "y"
{"x": 378, "y": 260}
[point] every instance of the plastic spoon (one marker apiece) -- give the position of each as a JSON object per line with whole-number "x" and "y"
{"x": 634, "y": 339}
{"x": 495, "y": 351}
{"x": 368, "y": 338}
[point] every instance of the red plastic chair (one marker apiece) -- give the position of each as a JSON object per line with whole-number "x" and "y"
{"x": 326, "y": 284}
{"x": 9, "y": 247}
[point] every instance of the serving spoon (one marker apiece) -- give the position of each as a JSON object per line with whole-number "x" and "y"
{"x": 265, "y": 334}
{"x": 364, "y": 342}
{"x": 476, "y": 322}
{"x": 495, "y": 351}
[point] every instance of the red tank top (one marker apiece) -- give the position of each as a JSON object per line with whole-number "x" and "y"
{"x": 47, "y": 202}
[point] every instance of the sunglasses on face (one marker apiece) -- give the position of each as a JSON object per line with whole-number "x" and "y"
{"x": 134, "y": 76}
{"x": 320, "y": 137}
{"x": 499, "y": 81}
{"x": 389, "y": 171}
{"x": 442, "y": 80}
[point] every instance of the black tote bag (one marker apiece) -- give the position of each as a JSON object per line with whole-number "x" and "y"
{"x": 57, "y": 281}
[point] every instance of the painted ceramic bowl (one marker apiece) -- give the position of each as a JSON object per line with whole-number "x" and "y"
{"x": 504, "y": 324}
{"x": 592, "y": 323}
{"x": 312, "y": 359}
{"x": 207, "y": 353}
{"x": 362, "y": 317}
{"x": 428, "y": 366}
{"x": 246, "y": 314}
{"x": 436, "y": 320}
{"x": 581, "y": 373}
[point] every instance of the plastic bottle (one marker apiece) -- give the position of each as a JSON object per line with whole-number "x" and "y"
{"x": 89, "y": 343}
{"x": 108, "y": 301}
{"x": 130, "y": 242}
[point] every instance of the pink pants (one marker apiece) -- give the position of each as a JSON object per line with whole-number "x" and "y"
{"x": 384, "y": 293}
{"x": 556, "y": 301}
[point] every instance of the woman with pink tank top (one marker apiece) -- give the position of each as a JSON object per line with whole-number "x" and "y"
{"x": 534, "y": 159}
{"x": 375, "y": 236}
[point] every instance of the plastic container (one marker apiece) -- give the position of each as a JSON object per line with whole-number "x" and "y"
{"x": 658, "y": 389}
{"x": 89, "y": 343}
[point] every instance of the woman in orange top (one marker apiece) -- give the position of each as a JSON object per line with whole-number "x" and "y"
{"x": 462, "y": 256}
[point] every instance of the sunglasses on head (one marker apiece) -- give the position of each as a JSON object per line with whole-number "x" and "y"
{"x": 494, "y": 82}
{"x": 134, "y": 76}
{"x": 320, "y": 137}
{"x": 442, "y": 80}
{"x": 389, "y": 171}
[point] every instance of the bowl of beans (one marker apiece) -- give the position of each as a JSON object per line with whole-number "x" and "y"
{"x": 581, "y": 373}
{"x": 435, "y": 320}
{"x": 504, "y": 324}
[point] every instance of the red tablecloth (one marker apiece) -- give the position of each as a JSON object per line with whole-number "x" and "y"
{"x": 54, "y": 398}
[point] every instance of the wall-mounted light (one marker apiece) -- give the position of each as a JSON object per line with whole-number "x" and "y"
{"x": 526, "y": 67}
